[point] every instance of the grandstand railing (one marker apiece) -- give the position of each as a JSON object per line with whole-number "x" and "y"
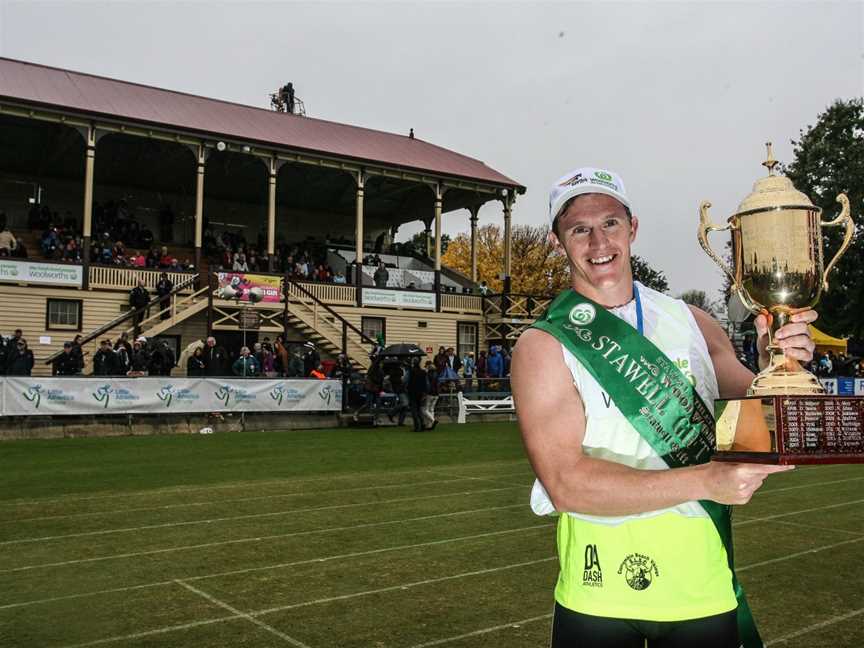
{"x": 459, "y": 303}
{"x": 329, "y": 293}
{"x": 115, "y": 278}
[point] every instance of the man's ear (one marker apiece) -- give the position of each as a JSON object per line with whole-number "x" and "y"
{"x": 555, "y": 242}
{"x": 634, "y": 226}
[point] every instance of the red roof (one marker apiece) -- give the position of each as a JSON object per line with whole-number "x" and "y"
{"x": 85, "y": 93}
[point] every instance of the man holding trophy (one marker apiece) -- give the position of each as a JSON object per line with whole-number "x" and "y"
{"x": 617, "y": 423}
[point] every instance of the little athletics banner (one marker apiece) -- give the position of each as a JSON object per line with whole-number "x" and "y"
{"x": 76, "y": 396}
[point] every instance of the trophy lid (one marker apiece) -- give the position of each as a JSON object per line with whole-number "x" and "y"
{"x": 774, "y": 192}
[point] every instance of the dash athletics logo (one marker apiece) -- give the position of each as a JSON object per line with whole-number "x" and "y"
{"x": 639, "y": 571}
{"x": 582, "y": 314}
{"x": 592, "y": 575}
{"x": 103, "y": 395}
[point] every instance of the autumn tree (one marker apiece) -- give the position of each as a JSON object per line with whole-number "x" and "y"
{"x": 537, "y": 269}
{"x": 699, "y": 299}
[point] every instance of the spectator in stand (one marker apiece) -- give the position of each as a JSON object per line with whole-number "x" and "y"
{"x": 483, "y": 288}
{"x": 163, "y": 289}
{"x": 19, "y": 361}
{"x": 280, "y": 352}
{"x": 454, "y": 364}
{"x": 164, "y": 258}
{"x": 339, "y": 278}
{"x": 482, "y": 371}
{"x": 859, "y": 370}
{"x": 162, "y": 359}
{"x": 65, "y": 364}
{"x": 71, "y": 252}
{"x": 123, "y": 354}
{"x": 418, "y": 387}
{"x": 215, "y": 358}
{"x": 50, "y": 243}
{"x": 342, "y": 370}
{"x": 381, "y": 276}
{"x": 7, "y": 240}
{"x": 139, "y": 297}
{"x": 195, "y": 364}
{"x": 240, "y": 264}
{"x": 105, "y": 360}
{"x": 246, "y": 366}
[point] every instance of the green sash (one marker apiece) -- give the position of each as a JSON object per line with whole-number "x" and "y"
{"x": 654, "y": 396}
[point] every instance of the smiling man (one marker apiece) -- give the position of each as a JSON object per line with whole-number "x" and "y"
{"x": 614, "y": 389}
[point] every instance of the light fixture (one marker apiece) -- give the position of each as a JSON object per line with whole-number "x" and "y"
{"x": 246, "y": 148}
{"x": 220, "y": 146}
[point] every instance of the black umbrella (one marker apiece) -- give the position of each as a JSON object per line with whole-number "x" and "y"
{"x": 403, "y": 351}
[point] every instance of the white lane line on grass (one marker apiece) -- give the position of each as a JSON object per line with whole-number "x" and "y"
{"x": 815, "y": 528}
{"x": 233, "y": 500}
{"x": 505, "y": 626}
{"x": 769, "y": 491}
{"x": 485, "y": 479}
{"x": 217, "y": 543}
{"x": 251, "y": 619}
{"x": 157, "y": 631}
{"x": 402, "y": 586}
{"x": 798, "y": 554}
{"x": 765, "y": 518}
{"x": 239, "y": 484}
{"x": 249, "y": 516}
{"x": 247, "y": 570}
{"x": 329, "y": 599}
{"x": 816, "y": 626}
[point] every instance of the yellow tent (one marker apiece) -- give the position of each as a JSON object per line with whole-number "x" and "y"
{"x": 825, "y": 342}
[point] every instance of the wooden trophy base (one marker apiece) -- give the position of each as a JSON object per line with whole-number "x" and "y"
{"x": 790, "y": 430}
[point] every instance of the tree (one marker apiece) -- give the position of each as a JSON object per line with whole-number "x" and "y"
{"x": 699, "y": 299}
{"x": 418, "y": 243}
{"x": 537, "y": 269}
{"x": 648, "y": 276}
{"x": 829, "y": 159}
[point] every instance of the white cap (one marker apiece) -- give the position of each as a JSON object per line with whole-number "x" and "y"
{"x": 583, "y": 181}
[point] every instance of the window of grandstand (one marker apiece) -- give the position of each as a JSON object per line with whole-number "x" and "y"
{"x": 63, "y": 315}
{"x": 466, "y": 338}
{"x": 372, "y": 326}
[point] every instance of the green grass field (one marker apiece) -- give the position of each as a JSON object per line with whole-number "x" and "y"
{"x": 372, "y": 537}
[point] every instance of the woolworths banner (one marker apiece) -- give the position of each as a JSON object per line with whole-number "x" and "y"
{"x": 58, "y": 396}
{"x": 55, "y": 274}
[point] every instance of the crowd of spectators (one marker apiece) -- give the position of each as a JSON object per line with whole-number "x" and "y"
{"x": 141, "y": 357}
{"x": 828, "y": 364}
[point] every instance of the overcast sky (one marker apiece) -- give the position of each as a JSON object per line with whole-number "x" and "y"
{"x": 679, "y": 98}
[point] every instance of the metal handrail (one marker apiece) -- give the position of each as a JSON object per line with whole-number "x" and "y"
{"x": 92, "y": 335}
{"x": 344, "y": 321}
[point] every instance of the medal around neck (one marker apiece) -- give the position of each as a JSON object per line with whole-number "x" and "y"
{"x": 778, "y": 269}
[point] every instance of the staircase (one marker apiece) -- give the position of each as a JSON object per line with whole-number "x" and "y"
{"x": 312, "y": 318}
{"x": 180, "y": 308}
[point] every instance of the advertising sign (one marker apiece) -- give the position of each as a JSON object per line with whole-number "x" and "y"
{"x": 58, "y": 396}
{"x": 399, "y": 298}
{"x": 53, "y": 274}
{"x": 244, "y": 287}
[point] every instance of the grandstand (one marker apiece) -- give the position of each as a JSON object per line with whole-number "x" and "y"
{"x": 105, "y": 183}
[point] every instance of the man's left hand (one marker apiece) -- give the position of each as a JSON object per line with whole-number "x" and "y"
{"x": 794, "y": 338}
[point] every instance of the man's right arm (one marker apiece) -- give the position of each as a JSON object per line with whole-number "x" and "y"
{"x": 552, "y": 420}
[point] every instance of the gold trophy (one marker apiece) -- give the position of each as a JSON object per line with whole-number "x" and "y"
{"x": 778, "y": 270}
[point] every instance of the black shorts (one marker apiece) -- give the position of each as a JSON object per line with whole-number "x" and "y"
{"x": 575, "y": 630}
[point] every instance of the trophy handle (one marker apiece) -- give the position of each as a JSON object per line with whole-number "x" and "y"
{"x": 843, "y": 218}
{"x": 705, "y": 226}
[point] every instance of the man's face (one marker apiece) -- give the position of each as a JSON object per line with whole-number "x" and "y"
{"x": 596, "y": 234}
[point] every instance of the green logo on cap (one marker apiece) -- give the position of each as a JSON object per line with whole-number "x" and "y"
{"x": 603, "y": 176}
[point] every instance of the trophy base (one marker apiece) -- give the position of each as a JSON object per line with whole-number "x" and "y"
{"x": 778, "y": 379}
{"x": 790, "y": 430}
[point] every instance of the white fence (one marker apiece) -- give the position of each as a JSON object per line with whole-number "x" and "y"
{"x": 152, "y": 395}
